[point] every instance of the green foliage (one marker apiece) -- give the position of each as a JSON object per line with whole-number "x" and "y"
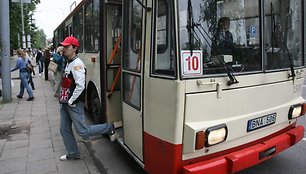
{"x": 208, "y": 11}
{"x": 37, "y": 35}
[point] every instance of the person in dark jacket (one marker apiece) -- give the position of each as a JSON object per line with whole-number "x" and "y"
{"x": 223, "y": 38}
{"x": 46, "y": 57}
{"x": 39, "y": 61}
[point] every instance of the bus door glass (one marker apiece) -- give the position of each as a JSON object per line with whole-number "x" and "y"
{"x": 113, "y": 39}
{"x": 132, "y": 76}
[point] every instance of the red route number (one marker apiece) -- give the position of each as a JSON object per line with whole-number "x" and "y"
{"x": 191, "y": 65}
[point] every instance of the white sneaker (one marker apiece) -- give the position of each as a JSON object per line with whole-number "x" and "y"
{"x": 66, "y": 157}
{"x": 112, "y": 134}
{"x": 113, "y": 137}
{"x": 39, "y": 74}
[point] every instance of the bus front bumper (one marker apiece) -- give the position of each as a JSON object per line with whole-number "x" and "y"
{"x": 244, "y": 158}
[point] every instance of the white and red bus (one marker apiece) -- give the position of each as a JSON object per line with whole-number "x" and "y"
{"x": 183, "y": 102}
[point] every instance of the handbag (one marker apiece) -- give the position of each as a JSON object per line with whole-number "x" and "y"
{"x": 52, "y": 66}
{"x": 30, "y": 68}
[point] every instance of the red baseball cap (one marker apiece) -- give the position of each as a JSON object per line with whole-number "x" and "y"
{"x": 70, "y": 40}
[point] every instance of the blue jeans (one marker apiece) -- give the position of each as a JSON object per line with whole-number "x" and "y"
{"x": 24, "y": 76}
{"x": 41, "y": 66}
{"x": 76, "y": 116}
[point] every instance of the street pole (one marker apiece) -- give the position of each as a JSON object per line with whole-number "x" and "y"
{"x": 22, "y": 23}
{"x": 5, "y": 51}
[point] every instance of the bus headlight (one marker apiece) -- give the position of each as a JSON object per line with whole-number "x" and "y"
{"x": 296, "y": 111}
{"x": 215, "y": 135}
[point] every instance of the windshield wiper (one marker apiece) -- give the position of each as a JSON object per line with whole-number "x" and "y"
{"x": 291, "y": 64}
{"x": 228, "y": 69}
{"x": 190, "y": 26}
{"x": 273, "y": 31}
{"x": 191, "y": 29}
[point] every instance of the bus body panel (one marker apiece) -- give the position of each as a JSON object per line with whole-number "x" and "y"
{"x": 209, "y": 83}
{"x": 114, "y": 107}
{"x": 235, "y": 108}
{"x": 164, "y": 118}
{"x": 165, "y": 158}
{"x": 244, "y": 158}
{"x": 133, "y": 137}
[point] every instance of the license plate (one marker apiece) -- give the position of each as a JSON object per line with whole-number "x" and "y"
{"x": 261, "y": 122}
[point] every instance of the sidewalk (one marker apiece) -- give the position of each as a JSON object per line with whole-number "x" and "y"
{"x": 30, "y": 141}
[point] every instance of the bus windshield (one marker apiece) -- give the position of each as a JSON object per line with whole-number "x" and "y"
{"x": 228, "y": 34}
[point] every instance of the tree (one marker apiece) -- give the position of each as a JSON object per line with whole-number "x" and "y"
{"x": 29, "y": 25}
{"x": 39, "y": 39}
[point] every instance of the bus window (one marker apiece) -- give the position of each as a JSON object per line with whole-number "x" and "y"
{"x": 162, "y": 26}
{"x": 113, "y": 38}
{"x": 92, "y": 26}
{"x": 78, "y": 28}
{"x": 133, "y": 62}
{"x": 283, "y": 30}
{"x": 163, "y": 63}
{"x": 131, "y": 93}
{"x": 223, "y": 33}
{"x": 56, "y": 39}
{"x": 131, "y": 79}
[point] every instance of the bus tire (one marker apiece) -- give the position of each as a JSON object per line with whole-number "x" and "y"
{"x": 95, "y": 107}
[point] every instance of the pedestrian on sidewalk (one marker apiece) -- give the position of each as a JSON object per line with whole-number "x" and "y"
{"x": 59, "y": 59}
{"x": 24, "y": 75}
{"x": 72, "y": 99}
{"x": 28, "y": 56}
{"x": 46, "y": 57}
{"x": 39, "y": 61}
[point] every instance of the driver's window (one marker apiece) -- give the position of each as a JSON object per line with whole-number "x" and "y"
{"x": 164, "y": 59}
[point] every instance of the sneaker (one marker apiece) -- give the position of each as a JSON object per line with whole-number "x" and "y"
{"x": 30, "y": 99}
{"x": 67, "y": 157}
{"x": 112, "y": 134}
{"x": 19, "y": 96}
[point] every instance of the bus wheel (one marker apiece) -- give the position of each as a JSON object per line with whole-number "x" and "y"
{"x": 95, "y": 107}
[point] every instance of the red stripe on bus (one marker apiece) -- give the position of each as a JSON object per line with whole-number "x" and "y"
{"x": 242, "y": 159}
{"x": 164, "y": 157}
{"x": 161, "y": 156}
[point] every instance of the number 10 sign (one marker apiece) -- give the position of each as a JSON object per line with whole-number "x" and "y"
{"x": 191, "y": 64}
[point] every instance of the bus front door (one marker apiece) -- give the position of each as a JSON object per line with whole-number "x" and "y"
{"x": 132, "y": 77}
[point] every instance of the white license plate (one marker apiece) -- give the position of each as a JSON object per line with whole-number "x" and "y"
{"x": 261, "y": 122}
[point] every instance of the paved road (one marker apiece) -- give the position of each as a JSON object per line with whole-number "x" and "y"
{"x": 111, "y": 158}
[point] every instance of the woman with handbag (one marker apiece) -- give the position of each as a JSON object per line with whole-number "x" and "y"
{"x": 31, "y": 68}
{"x": 24, "y": 74}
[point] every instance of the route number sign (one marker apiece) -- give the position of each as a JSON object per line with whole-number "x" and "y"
{"x": 191, "y": 65}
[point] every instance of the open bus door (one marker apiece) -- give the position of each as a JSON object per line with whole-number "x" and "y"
{"x": 132, "y": 78}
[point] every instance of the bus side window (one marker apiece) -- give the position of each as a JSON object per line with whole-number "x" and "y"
{"x": 164, "y": 60}
{"x": 92, "y": 28}
{"x": 77, "y": 26}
